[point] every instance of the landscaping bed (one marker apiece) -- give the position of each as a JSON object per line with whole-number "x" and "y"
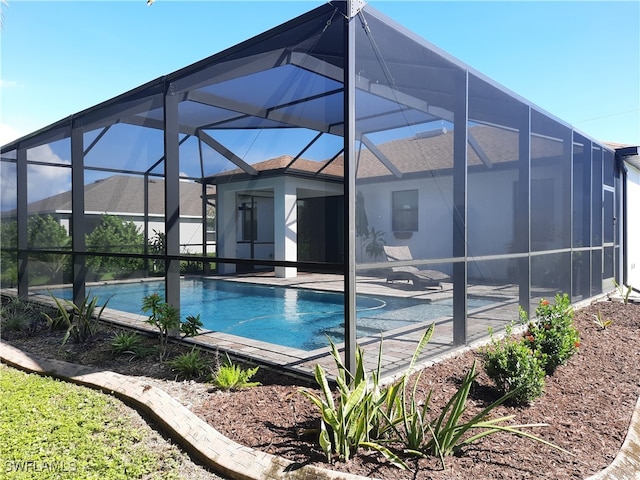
{"x": 587, "y": 403}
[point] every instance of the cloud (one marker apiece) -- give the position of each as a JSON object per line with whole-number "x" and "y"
{"x": 44, "y": 153}
{"x": 42, "y": 181}
{"x": 8, "y": 192}
{"x": 8, "y": 134}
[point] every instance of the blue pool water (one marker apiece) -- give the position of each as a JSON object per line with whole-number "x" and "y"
{"x": 290, "y": 317}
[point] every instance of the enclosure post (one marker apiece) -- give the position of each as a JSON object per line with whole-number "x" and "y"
{"x": 460, "y": 268}
{"x": 23, "y": 217}
{"x": 78, "y": 242}
{"x": 523, "y": 212}
{"x": 349, "y": 195}
{"x": 172, "y": 199}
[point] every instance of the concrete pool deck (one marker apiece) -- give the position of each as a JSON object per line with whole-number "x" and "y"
{"x": 399, "y": 344}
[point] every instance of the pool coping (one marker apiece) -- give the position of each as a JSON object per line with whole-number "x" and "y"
{"x": 298, "y": 362}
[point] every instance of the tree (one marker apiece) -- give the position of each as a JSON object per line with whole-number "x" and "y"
{"x": 45, "y": 233}
{"x": 8, "y": 253}
{"x": 115, "y": 235}
{"x": 158, "y": 246}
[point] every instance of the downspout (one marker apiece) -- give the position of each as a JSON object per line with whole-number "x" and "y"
{"x": 624, "y": 171}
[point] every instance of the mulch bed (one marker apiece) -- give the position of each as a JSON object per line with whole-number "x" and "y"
{"x": 587, "y": 405}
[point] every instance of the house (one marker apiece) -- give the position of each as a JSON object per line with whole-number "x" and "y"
{"x": 124, "y": 196}
{"x": 630, "y": 166}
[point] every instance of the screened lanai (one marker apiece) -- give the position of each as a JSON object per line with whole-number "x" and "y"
{"x": 336, "y": 152}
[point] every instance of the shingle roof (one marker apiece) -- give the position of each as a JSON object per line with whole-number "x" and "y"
{"x": 279, "y": 164}
{"x": 421, "y": 153}
{"x": 125, "y": 194}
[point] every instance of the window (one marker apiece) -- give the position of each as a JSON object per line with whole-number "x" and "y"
{"x": 405, "y": 211}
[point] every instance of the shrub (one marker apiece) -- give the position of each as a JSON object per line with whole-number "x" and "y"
{"x": 512, "y": 365}
{"x": 81, "y": 320}
{"x": 16, "y": 314}
{"x": 352, "y": 418}
{"x": 552, "y": 335}
{"x": 449, "y": 431}
{"x": 14, "y": 323}
{"x": 347, "y": 422}
{"x": 126, "y": 342}
{"x": 166, "y": 319}
{"x": 190, "y": 364}
{"x": 230, "y": 376}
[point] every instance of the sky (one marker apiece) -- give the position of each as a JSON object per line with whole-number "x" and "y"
{"x": 578, "y": 60}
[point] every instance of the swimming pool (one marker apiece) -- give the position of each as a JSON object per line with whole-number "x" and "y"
{"x": 291, "y": 317}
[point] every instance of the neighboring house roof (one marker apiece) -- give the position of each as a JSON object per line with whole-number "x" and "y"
{"x": 125, "y": 194}
{"x": 421, "y": 154}
{"x": 428, "y": 152}
{"x": 280, "y": 165}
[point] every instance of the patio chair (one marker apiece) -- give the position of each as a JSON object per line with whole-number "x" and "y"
{"x": 419, "y": 278}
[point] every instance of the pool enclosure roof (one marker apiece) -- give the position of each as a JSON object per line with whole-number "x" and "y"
{"x": 292, "y": 76}
{"x": 343, "y": 80}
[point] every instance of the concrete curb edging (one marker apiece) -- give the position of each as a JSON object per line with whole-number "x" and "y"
{"x": 213, "y": 449}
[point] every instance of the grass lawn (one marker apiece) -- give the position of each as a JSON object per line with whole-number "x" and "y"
{"x": 53, "y": 429}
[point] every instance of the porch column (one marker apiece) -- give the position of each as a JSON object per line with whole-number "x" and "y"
{"x": 286, "y": 227}
{"x": 226, "y": 214}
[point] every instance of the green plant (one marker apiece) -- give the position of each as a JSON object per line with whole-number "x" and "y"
{"x": 230, "y": 376}
{"x": 624, "y": 291}
{"x": 13, "y": 323}
{"x": 88, "y": 434}
{"x": 166, "y": 319}
{"x": 448, "y": 432}
{"x": 191, "y": 326}
{"x": 157, "y": 246}
{"x": 552, "y": 335}
{"x": 115, "y": 235}
{"x": 126, "y": 342}
{"x": 446, "y": 435}
{"x": 57, "y": 321}
{"x": 17, "y": 314}
{"x": 352, "y": 419}
{"x": 512, "y": 365}
{"x": 408, "y": 411}
{"x": 81, "y": 319}
{"x": 374, "y": 243}
{"x": 601, "y": 322}
{"x": 349, "y": 421}
{"x": 190, "y": 364}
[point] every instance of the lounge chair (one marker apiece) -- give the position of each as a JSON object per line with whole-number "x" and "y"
{"x": 419, "y": 278}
